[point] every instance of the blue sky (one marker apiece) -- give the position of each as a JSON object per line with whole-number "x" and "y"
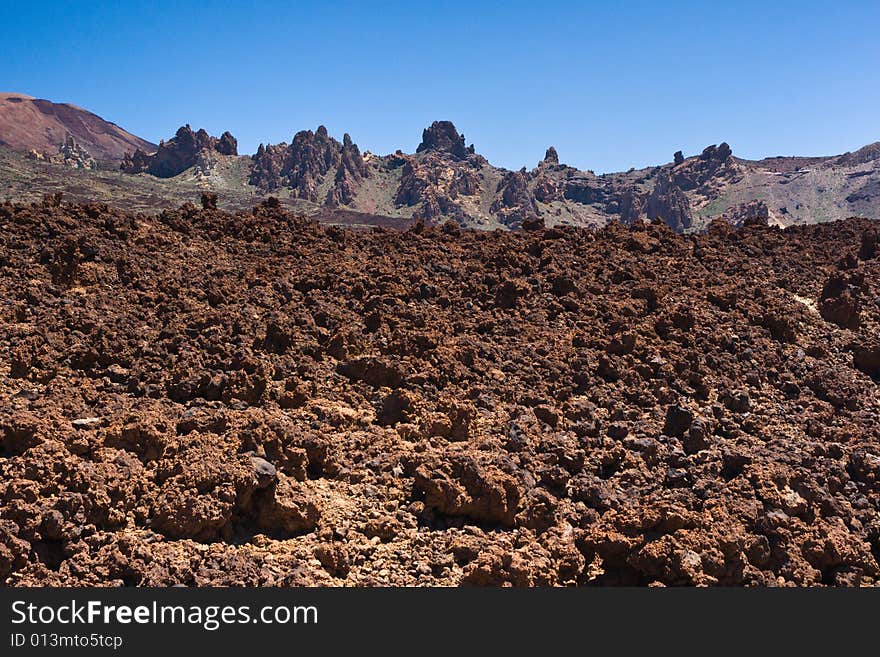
{"x": 611, "y": 85}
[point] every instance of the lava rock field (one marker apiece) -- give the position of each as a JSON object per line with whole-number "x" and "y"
{"x": 204, "y": 398}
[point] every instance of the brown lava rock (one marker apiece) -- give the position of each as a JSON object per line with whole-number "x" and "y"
{"x": 204, "y": 398}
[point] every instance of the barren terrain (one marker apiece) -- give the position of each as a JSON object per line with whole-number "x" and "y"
{"x": 198, "y": 397}
{"x": 33, "y": 123}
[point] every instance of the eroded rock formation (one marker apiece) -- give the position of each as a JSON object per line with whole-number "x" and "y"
{"x": 179, "y": 153}
{"x": 70, "y": 154}
{"x": 442, "y": 137}
{"x": 312, "y": 162}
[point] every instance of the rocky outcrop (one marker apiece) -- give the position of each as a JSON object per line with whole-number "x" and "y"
{"x": 545, "y": 189}
{"x": 440, "y": 177}
{"x": 137, "y": 162}
{"x": 227, "y": 144}
{"x": 435, "y": 187}
{"x": 841, "y": 299}
{"x": 632, "y": 206}
{"x": 70, "y": 154}
{"x": 179, "y": 153}
{"x": 547, "y": 186}
{"x": 739, "y": 214}
{"x": 587, "y": 189}
{"x": 310, "y": 156}
{"x": 714, "y": 161}
{"x": 349, "y": 175}
{"x": 442, "y": 137}
{"x": 666, "y": 201}
{"x": 514, "y": 202}
{"x": 713, "y": 153}
{"x": 441, "y": 180}
{"x": 305, "y": 166}
{"x": 268, "y": 167}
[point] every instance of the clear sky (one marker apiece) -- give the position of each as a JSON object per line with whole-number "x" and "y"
{"x": 610, "y": 84}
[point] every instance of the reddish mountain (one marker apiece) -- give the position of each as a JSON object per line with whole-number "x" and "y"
{"x": 28, "y": 123}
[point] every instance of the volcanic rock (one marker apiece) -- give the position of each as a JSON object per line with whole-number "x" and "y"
{"x": 352, "y": 170}
{"x": 866, "y": 357}
{"x": 868, "y": 247}
{"x": 307, "y": 163}
{"x": 442, "y": 137}
{"x": 840, "y": 300}
{"x": 435, "y": 191}
{"x": 179, "y": 153}
{"x": 667, "y": 201}
{"x": 678, "y": 420}
{"x": 70, "y": 154}
{"x": 747, "y": 213}
{"x": 284, "y": 402}
{"x": 514, "y": 203}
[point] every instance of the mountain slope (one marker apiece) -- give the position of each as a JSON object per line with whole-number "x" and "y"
{"x": 445, "y": 179}
{"x": 28, "y": 123}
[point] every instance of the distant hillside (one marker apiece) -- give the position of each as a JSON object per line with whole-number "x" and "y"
{"x": 28, "y": 123}
{"x": 445, "y": 179}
